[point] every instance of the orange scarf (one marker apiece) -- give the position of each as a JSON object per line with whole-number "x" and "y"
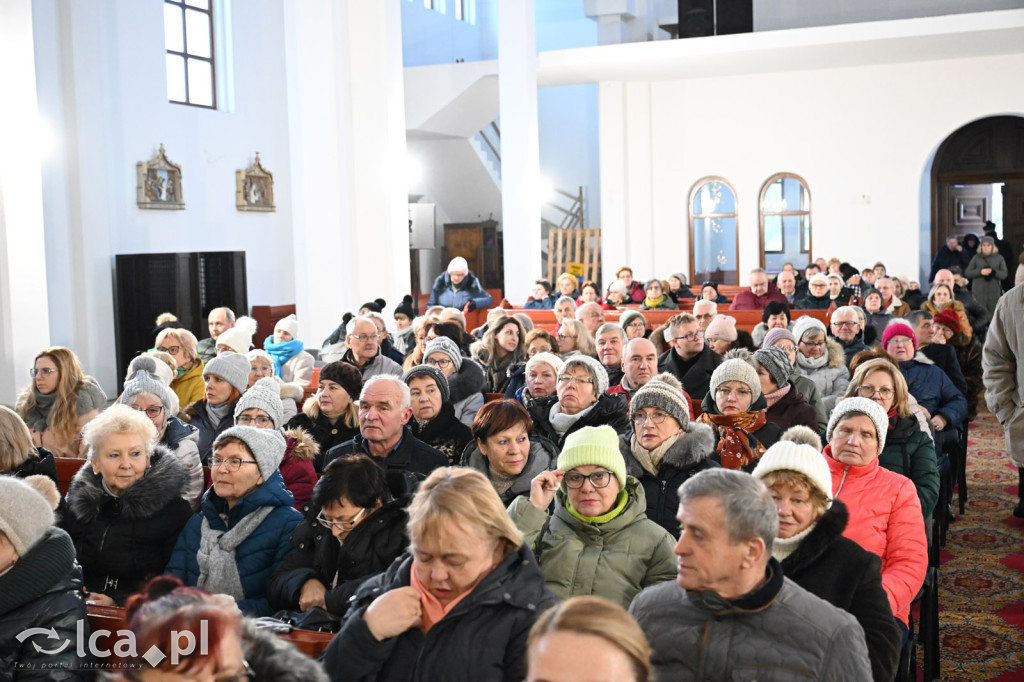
{"x": 432, "y": 610}
{"x": 736, "y": 447}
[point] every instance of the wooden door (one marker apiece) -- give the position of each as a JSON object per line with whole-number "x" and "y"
{"x": 969, "y": 206}
{"x": 466, "y": 240}
{"x": 1013, "y": 220}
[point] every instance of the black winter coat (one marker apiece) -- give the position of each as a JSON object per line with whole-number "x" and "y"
{"x": 697, "y": 378}
{"x": 122, "y": 541}
{"x": 369, "y": 549}
{"x": 845, "y": 575}
{"x": 196, "y": 414}
{"x": 42, "y": 590}
{"x": 444, "y": 433}
{"x": 482, "y": 638}
{"x": 326, "y": 434}
{"x": 411, "y": 462}
{"x": 611, "y": 409}
{"x": 689, "y": 455}
{"x": 41, "y": 463}
{"x": 792, "y": 409}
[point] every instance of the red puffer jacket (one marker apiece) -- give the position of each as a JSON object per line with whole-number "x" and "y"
{"x": 885, "y": 518}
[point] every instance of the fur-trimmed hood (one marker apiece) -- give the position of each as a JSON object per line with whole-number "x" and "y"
{"x": 836, "y": 357}
{"x": 921, "y": 358}
{"x": 696, "y": 444}
{"x": 301, "y": 445}
{"x": 291, "y": 391}
{"x": 272, "y": 658}
{"x": 468, "y": 381}
{"x": 166, "y": 478}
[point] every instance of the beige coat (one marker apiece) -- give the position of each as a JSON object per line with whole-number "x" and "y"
{"x": 1004, "y": 371}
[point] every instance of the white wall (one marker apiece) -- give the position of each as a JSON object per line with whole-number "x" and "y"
{"x": 770, "y": 15}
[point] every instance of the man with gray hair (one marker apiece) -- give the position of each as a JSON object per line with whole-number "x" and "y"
{"x": 384, "y": 410}
{"x": 591, "y": 315}
{"x": 846, "y": 328}
{"x": 704, "y": 311}
{"x": 610, "y": 340}
{"x": 362, "y": 338}
{"x": 730, "y": 611}
{"x": 761, "y": 293}
{"x": 219, "y": 320}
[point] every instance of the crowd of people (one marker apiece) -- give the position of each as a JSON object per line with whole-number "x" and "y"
{"x": 511, "y": 501}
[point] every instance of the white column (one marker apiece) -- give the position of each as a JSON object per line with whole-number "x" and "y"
{"x": 24, "y": 319}
{"x": 520, "y": 146}
{"x": 347, "y": 140}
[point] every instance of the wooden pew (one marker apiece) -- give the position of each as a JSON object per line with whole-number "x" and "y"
{"x": 67, "y": 467}
{"x": 267, "y": 317}
{"x": 745, "y": 319}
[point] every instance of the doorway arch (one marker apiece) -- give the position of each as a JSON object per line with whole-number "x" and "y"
{"x": 986, "y": 151}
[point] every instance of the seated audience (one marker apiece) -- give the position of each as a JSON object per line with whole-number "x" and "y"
{"x": 968, "y": 356}
{"x": 875, "y": 315}
{"x": 18, "y": 456}
{"x": 784, "y": 340}
{"x": 421, "y": 326}
{"x": 262, "y": 365}
{"x": 125, "y": 507}
{"x": 568, "y": 287}
{"x": 459, "y": 288}
{"x": 59, "y": 402}
{"x": 677, "y": 287}
{"x": 785, "y": 282}
{"x": 720, "y": 334}
{"x": 817, "y": 296}
{"x": 617, "y": 295}
{"x": 574, "y": 338}
{"x": 364, "y": 351}
{"x": 387, "y": 347}
{"x": 466, "y": 381}
{"x": 241, "y": 535}
{"x": 634, "y": 290}
{"x": 891, "y": 303}
{"x": 821, "y": 359}
{"x": 634, "y": 323}
{"x": 590, "y": 292}
{"x": 609, "y": 342}
{"x": 331, "y": 415}
{"x": 656, "y": 298}
{"x": 591, "y": 315}
{"x": 433, "y": 416}
{"x": 941, "y": 297}
{"x": 227, "y": 377}
{"x": 709, "y": 292}
{"x": 688, "y": 358}
{"x": 541, "y": 298}
{"x": 760, "y": 293}
{"x": 639, "y": 365}
{"x": 540, "y": 376}
{"x": 931, "y": 344}
{"x": 565, "y": 309}
{"x": 501, "y": 347}
{"x": 786, "y": 406}
{"x": 237, "y": 339}
{"x": 727, "y": 576}
{"x": 774, "y": 316}
{"x": 464, "y": 553}
{"x": 493, "y": 315}
{"x": 734, "y": 408}
{"x": 405, "y": 335}
{"x": 846, "y": 329}
{"x": 704, "y": 312}
{"x": 598, "y": 541}
{"x": 353, "y": 529}
{"x": 540, "y": 341}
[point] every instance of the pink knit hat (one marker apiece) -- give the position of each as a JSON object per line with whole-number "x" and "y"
{"x": 898, "y": 329}
{"x": 721, "y": 327}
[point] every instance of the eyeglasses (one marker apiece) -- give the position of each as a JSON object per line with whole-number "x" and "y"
{"x": 637, "y": 323}
{"x": 901, "y": 341}
{"x": 171, "y": 350}
{"x": 566, "y": 379}
{"x": 656, "y": 417}
{"x": 246, "y": 420}
{"x": 867, "y": 391}
{"x": 231, "y": 464}
{"x": 705, "y": 316}
{"x": 563, "y": 337}
{"x": 692, "y": 336}
{"x": 788, "y": 349}
{"x": 45, "y": 371}
{"x": 340, "y": 525}
{"x": 598, "y": 479}
{"x": 442, "y": 363}
{"x": 815, "y": 344}
{"x": 153, "y": 411}
{"x": 364, "y": 337}
{"x": 848, "y": 325}
{"x": 739, "y": 392}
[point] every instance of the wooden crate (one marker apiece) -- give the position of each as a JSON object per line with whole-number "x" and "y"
{"x": 574, "y": 246}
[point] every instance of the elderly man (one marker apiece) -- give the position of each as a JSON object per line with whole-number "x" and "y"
{"x": 731, "y": 614}
{"x": 385, "y": 406}
{"x": 785, "y": 282}
{"x": 363, "y": 342}
{"x": 891, "y": 303}
{"x": 219, "y": 320}
{"x": 591, "y": 315}
{"x": 704, "y": 311}
{"x": 689, "y": 359}
{"x": 459, "y": 288}
{"x": 845, "y": 327}
{"x": 610, "y": 340}
{"x": 760, "y": 293}
{"x": 942, "y": 354}
{"x": 1004, "y": 375}
{"x": 639, "y": 365}
{"x": 976, "y": 312}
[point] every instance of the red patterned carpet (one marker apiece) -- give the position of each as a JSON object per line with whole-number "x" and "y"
{"x": 981, "y": 581}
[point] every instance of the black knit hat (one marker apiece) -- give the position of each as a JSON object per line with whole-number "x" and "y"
{"x": 774, "y": 308}
{"x": 345, "y": 375}
{"x": 376, "y": 305}
{"x": 434, "y": 373}
{"x": 405, "y": 307}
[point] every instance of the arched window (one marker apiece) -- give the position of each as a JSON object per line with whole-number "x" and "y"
{"x": 714, "y": 236}
{"x": 785, "y": 209}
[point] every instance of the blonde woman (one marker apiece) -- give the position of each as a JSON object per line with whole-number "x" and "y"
{"x": 181, "y": 344}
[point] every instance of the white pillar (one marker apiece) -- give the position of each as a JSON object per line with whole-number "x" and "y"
{"x": 347, "y": 139}
{"x": 520, "y": 146}
{"x": 24, "y": 319}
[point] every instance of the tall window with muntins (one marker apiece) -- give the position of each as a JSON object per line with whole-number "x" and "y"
{"x": 714, "y": 237}
{"x": 785, "y": 211}
{"x": 188, "y": 36}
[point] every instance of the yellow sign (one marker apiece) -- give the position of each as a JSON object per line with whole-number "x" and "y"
{"x": 575, "y": 269}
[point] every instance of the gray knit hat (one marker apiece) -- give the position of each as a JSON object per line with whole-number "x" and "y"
{"x": 266, "y": 445}
{"x": 736, "y": 370}
{"x": 264, "y": 395}
{"x": 434, "y": 373}
{"x": 443, "y": 344}
{"x": 630, "y": 315}
{"x": 805, "y": 324}
{"x": 144, "y": 379}
{"x": 24, "y": 514}
{"x": 776, "y": 363}
{"x": 663, "y": 392}
{"x": 595, "y": 368}
{"x": 866, "y": 406}
{"x": 789, "y": 456}
{"x": 232, "y": 368}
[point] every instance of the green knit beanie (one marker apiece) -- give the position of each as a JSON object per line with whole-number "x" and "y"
{"x": 594, "y": 446}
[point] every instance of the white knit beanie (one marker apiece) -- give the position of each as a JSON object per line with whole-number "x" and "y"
{"x": 266, "y": 445}
{"x": 806, "y": 323}
{"x": 290, "y": 324}
{"x": 458, "y": 264}
{"x": 264, "y": 395}
{"x": 790, "y": 456}
{"x": 556, "y": 363}
{"x": 239, "y": 337}
{"x": 24, "y": 514}
{"x": 866, "y": 406}
{"x": 598, "y": 371}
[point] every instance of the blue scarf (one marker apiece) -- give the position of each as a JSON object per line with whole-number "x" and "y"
{"x": 282, "y": 352}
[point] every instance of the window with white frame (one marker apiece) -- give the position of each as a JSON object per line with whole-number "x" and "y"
{"x": 188, "y": 38}
{"x": 714, "y": 236}
{"x": 785, "y": 212}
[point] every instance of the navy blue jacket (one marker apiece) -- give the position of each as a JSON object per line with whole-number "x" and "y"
{"x": 933, "y": 389}
{"x": 457, "y": 296}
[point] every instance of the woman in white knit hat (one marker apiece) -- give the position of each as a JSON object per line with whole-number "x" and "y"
{"x": 812, "y": 550}
{"x": 291, "y": 362}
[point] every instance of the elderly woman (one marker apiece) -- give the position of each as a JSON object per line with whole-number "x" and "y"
{"x": 145, "y": 392}
{"x": 709, "y": 292}
{"x": 262, "y": 365}
{"x": 947, "y": 330}
{"x": 590, "y": 292}
{"x": 817, "y": 296}
{"x": 575, "y": 339}
{"x": 457, "y": 287}
{"x": 940, "y": 297}
{"x": 181, "y": 345}
{"x": 501, "y": 347}
{"x": 587, "y": 633}
{"x": 821, "y": 359}
{"x": 59, "y": 402}
{"x": 678, "y": 289}
{"x": 634, "y": 290}
{"x": 227, "y": 377}
{"x": 125, "y": 507}
{"x": 467, "y": 563}
{"x": 40, "y": 586}
{"x": 784, "y": 340}
{"x": 634, "y": 323}
{"x": 617, "y": 294}
{"x": 734, "y": 408}
{"x": 291, "y": 362}
{"x": 503, "y": 451}
{"x": 241, "y": 535}
{"x": 18, "y": 456}
{"x": 885, "y": 514}
{"x": 721, "y": 335}
{"x": 655, "y": 297}
{"x": 775, "y": 315}
{"x": 580, "y": 400}
{"x": 987, "y": 270}
{"x": 786, "y": 405}
{"x": 466, "y": 381}
{"x": 815, "y": 555}
{"x": 908, "y": 450}
{"x": 599, "y": 540}
{"x": 665, "y": 447}
{"x": 540, "y": 377}
{"x": 352, "y": 530}
{"x": 331, "y": 416}
{"x": 433, "y": 417}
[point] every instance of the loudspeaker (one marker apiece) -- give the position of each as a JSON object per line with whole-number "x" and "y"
{"x": 696, "y": 18}
{"x": 734, "y": 16}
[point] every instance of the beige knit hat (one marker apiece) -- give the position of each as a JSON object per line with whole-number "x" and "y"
{"x": 736, "y": 370}
{"x": 24, "y": 514}
{"x": 789, "y": 456}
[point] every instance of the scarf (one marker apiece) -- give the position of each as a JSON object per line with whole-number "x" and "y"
{"x": 650, "y": 460}
{"x": 217, "y": 413}
{"x": 39, "y": 417}
{"x": 282, "y": 352}
{"x": 562, "y": 422}
{"x": 736, "y": 447}
{"x": 498, "y": 371}
{"x": 654, "y": 302}
{"x": 501, "y": 483}
{"x": 893, "y": 418}
{"x": 807, "y": 363}
{"x": 620, "y": 503}
{"x": 775, "y": 396}
{"x": 431, "y": 610}
{"x": 218, "y": 570}
{"x": 185, "y": 369}
{"x": 783, "y": 547}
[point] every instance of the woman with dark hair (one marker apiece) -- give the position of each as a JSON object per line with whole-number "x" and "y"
{"x": 590, "y": 292}
{"x": 331, "y": 415}
{"x": 775, "y": 315}
{"x": 503, "y": 450}
{"x": 501, "y": 347}
{"x": 352, "y": 529}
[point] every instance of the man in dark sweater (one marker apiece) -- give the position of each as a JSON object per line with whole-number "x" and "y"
{"x": 689, "y": 359}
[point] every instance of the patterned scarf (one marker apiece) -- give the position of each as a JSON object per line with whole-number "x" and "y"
{"x": 736, "y": 447}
